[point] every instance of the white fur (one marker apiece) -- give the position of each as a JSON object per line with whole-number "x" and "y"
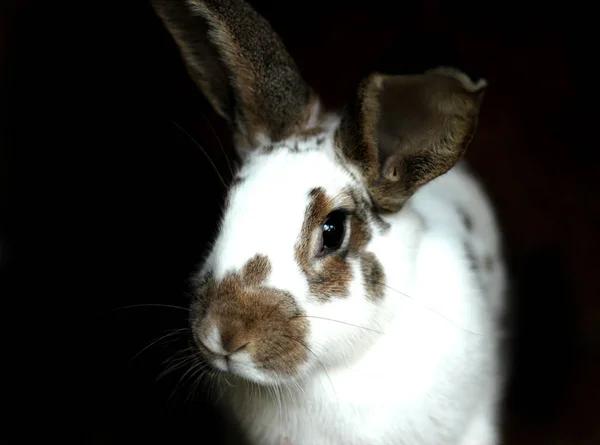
{"x": 423, "y": 368}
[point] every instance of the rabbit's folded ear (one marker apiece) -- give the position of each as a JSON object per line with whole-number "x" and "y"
{"x": 404, "y": 131}
{"x": 241, "y": 66}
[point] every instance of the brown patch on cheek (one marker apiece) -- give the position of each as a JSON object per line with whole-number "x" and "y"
{"x": 332, "y": 280}
{"x": 373, "y": 275}
{"x": 265, "y": 321}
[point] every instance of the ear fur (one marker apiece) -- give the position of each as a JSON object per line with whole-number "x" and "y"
{"x": 404, "y": 131}
{"x": 241, "y": 66}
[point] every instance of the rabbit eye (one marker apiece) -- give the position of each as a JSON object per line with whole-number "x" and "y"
{"x": 334, "y": 229}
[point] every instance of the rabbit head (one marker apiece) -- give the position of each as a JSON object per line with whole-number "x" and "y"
{"x": 311, "y": 194}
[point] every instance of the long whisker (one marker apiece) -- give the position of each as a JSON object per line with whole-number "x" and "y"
{"x": 163, "y": 337}
{"x": 190, "y": 357}
{"x": 316, "y": 357}
{"x": 439, "y": 314}
{"x": 338, "y": 321}
{"x": 170, "y": 306}
{"x": 203, "y": 151}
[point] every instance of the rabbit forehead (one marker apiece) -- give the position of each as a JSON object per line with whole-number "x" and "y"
{"x": 266, "y": 210}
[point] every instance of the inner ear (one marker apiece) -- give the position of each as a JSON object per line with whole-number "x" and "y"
{"x": 404, "y": 131}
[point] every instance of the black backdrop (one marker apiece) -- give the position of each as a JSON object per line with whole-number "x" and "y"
{"x": 107, "y": 202}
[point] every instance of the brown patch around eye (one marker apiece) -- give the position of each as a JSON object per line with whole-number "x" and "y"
{"x": 373, "y": 275}
{"x": 331, "y": 277}
{"x": 256, "y": 270}
{"x": 263, "y": 320}
{"x": 359, "y": 235}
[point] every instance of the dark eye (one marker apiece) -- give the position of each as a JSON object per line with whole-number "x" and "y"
{"x": 334, "y": 228}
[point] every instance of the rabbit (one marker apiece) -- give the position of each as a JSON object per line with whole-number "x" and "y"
{"x": 354, "y": 291}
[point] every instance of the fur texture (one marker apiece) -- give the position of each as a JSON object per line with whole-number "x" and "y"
{"x": 390, "y": 337}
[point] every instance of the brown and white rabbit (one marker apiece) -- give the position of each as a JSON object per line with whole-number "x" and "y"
{"x": 354, "y": 291}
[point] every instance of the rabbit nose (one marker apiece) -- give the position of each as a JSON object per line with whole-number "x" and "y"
{"x": 233, "y": 344}
{"x": 223, "y": 345}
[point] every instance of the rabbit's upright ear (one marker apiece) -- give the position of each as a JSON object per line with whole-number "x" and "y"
{"x": 404, "y": 131}
{"x": 241, "y": 66}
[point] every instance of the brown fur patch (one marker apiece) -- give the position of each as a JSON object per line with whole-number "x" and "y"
{"x": 331, "y": 276}
{"x": 373, "y": 275}
{"x": 360, "y": 233}
{"x": 265, "y": 321}
{"x": 256, "y": 270}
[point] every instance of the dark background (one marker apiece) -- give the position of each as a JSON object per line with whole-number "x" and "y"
{"x": 105, "y": 202}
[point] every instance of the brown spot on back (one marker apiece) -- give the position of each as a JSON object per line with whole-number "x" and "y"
{"x": 265, "y": 321}
{"x": 373, "y": 275}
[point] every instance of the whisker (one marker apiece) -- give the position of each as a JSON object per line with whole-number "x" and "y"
{"x": 169, "y": 306}
{"x": 317, "y": 358}
{"x": 338, "y": 321}
{"x": 195, "y": 365}
{"x": 197, "y": 379}
{"x": 439, "y": 314}
{"x": 203, "y": 151}
{"x": 175, "y": 366}
{"x": 163, "y": 337}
